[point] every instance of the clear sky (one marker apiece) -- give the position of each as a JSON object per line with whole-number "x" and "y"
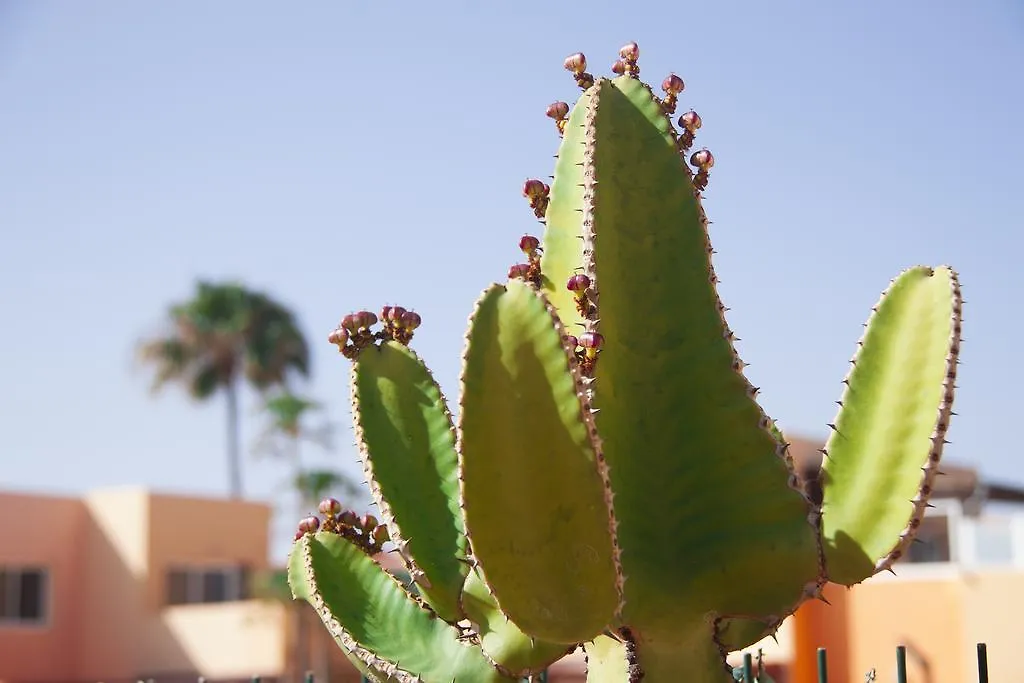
{"x": 343, "y": 155}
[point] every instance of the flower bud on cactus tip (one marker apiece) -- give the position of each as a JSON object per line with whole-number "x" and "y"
{"x": 309, "y": 525}
{"x": 520, "y": 270}
{"x": 395, "y": 314}
{"x": 381, "y": 535}
{"x": 366, "y": 319}
{"x": 348, "y": 517}
{"x": 619, "y": 67}
{"x": 350, "y": 322}
{"x": 576, "y": 63}
{"x": 571, "y": 341}
{"x": 702, "y": 159}
{"x": 673, "y": 85}
{"x": 591, "y": 340}
{"x": 534, "y": 188}
{"x": 330, "y": 507}
{"x": 558, "y": 110}
{"x": 630, "y": 52}
{"x": 338, "y": 337}
{"x": 411, "y": 320}
{"x": 529, "y": 244}
{"x": 578, "y": 283}
{"x": 368, "y": 522}
{"x": 690, "y": 121}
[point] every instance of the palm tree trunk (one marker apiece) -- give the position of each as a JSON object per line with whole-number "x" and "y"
{"x": 234, "y": 454}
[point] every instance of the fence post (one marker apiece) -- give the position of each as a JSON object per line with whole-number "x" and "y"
{"x": 901, "y": 664}
{"x": 822, "y": 665}
{"x": 982, "y": 663}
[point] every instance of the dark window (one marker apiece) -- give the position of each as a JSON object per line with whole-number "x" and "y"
{"x": 206, "y": 585}
{"x": 22, "y": 595}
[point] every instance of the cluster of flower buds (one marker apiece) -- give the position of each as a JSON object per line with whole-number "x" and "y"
{"x": 629, "y": 54}
{"x": 672, "y": 85}
{"x": 703, "y": 160}
{"x": 577, "y": 64}
{"x": 559, "y": 111}
{"x": 354, "y": 333}
{"x": 363, "y": 531}
{"x": 529, "y": 271}
{"x": 579, "y": 285}
{"x": 585, "y": 348}
{"x": 689, "y": 123}
{"x": 399, "y": 324}
{"x": 538, "y": 193}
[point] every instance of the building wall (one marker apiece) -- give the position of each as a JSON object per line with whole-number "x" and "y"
{"x": 107, "y": 556}
{"x": 44, "y": 531}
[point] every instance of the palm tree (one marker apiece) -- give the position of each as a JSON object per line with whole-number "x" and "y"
{"x": 286, "y": 422}
{"x": 221, "y": 336}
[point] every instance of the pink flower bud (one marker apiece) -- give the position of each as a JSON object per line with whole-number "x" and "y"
{"x": 519, "y": 270}
{"x": 338, "y": 336}
{"x": 558, "y": 110}
{"x": 381, "y": 535}
{"x": 395, "y": 314}
{"x": 529, "y": 244}
{"x": 673, "y": 85}
{"x": 535, "y": 189}
{"x": 578, "y": 283}
{"x": 330, "y": 507}
{"x": 309, "y": 525}
{"x": 410, "y": 320}
{"x": 702, "y": 159}
{"x": 571, "y": 341}
{"x": 576, "y": 63}
{"x": 630, "y": 52}
{"x": 368, "y": 522}
{"x": 619, "y": 67}
{"x": 366, "y": 319}
{"x": 591, "y": 340}
{"x": 348, "y": 517}
{"x": 350, "y": 322}
{"x": 690, "y": 121}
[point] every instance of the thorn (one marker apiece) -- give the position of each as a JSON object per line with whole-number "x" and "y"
{"x": 833, "y": 427}
{"x": 824, "y": 600}
{"x": 839, "y": 403}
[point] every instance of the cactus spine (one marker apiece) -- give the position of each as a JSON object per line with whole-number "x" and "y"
{"x": 612, "y": 482}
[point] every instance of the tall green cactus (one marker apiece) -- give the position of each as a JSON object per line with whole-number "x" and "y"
{"x": 612, "y": 482}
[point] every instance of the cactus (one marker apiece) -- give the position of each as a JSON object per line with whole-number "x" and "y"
{"x": 612, "y": 482}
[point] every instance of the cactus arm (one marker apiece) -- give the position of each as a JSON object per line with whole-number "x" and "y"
{"x": 668, "y": 353}
{"x": 373, "y": 619}
{"x": 536, "y": 504}
{"x": 563, "y": 233}
{"x": 511, "y": 650}
{"x": 885, "y": 449}
{"x": 607, "y": 661}
{"x": 407, "y": 446}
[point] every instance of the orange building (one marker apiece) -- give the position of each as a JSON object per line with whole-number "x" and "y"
{"x": 124, "y": 585}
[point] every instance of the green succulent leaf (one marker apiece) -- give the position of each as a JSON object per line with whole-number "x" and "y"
{"x": 703, "y": 491}
{"x": 889, "y": 433}
{"x": 408, "y": 451}
{"x": 512, "y": 650}
{"x": 534, "y": 497}
{"x": 373, "y": 619}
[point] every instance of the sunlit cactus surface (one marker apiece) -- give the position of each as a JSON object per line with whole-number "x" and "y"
{"x": 611, "y": 483}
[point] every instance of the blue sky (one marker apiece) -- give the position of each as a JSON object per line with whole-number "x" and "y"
{"x": 345, "y": 155}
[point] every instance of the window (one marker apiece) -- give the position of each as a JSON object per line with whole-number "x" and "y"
{"x": 192, "y": 585}
{"x": 22, "y": 595}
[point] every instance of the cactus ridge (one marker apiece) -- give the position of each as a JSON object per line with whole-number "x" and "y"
{"x": 440, "y": 538}
{"x": 943, "y": 355}
{"x": 561, "y": 611}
